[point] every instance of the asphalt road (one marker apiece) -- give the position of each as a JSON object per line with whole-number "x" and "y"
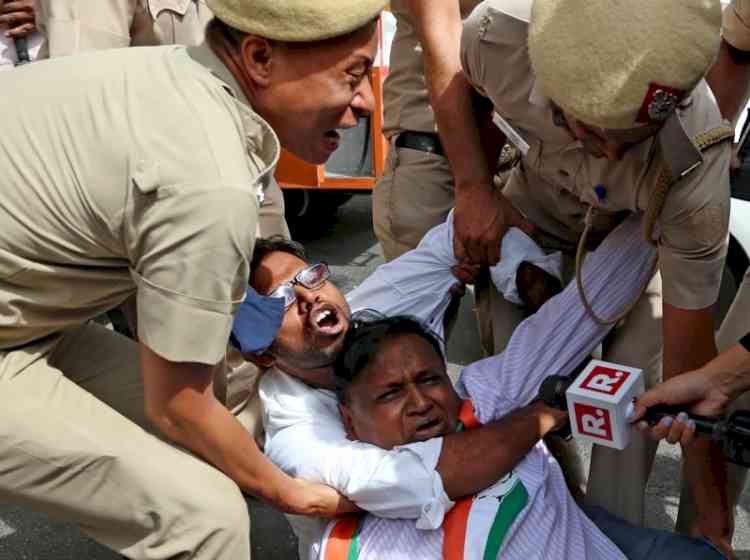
{"x": 346, "y": 242}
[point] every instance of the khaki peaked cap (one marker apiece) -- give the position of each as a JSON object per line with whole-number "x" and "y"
{"x": 296, "y": 20}
{"x": 622, "y": 63}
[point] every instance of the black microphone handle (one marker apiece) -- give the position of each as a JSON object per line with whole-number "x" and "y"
{"x": 709, "y": 426}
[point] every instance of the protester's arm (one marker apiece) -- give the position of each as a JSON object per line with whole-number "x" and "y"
{"x": 414, "y": 481}
{"x": 558, "y": 337}
{"x": 482, "y": 215}
{"x": 179, "y": 400}
{"x": 729, "y": 77}
{"x": 474, "y": 459}
{"x": 422, "y": 278}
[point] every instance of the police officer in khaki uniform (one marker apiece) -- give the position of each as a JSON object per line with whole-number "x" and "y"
{"x": 136, "y": 171}
{"x": 604, "y": 111}
{"x": 73, "y": 26}
{"x": 426, "y": 90}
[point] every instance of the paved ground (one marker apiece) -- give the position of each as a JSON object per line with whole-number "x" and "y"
{"x": 348, "y": 245}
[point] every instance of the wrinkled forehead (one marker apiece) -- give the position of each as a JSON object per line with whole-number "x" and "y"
{"x": 400, "y": 357}
{"x": 274, "y": 269}
{"x": 330, "y": 53}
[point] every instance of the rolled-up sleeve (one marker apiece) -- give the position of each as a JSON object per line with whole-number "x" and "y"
{"x": 694, "y": 233}
{"x": 736, "y": 24}
{"x": 190, "y": 255}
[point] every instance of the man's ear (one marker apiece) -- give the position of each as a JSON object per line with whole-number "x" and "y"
{"x": 257, "y": 54}
{"x": 263, "y": 360}
{"x": 346, "y": 418}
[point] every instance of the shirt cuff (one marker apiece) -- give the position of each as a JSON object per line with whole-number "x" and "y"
{"x": 735, "y": 29}
{"x": 179, "y": 328}
{"x": 433, "y": 511}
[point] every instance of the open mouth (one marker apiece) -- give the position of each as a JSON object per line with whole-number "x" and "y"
{"x": 325, "y": 319}
{"x": 428, "y": 425}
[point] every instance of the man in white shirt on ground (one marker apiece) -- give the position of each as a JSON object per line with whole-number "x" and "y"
{"x": 416, "y": 482}
{"x": 393, "y": 390}
{"x": 304, "y": 431}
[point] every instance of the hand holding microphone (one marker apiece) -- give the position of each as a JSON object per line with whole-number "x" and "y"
{"x": 601, "y": 407}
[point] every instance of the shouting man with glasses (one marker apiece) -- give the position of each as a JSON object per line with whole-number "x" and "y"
{"x": 306, "y": 319}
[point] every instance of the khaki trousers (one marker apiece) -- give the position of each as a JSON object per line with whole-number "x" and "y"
{"x": 74, "y": 444}
{"x": 414, "y": 194}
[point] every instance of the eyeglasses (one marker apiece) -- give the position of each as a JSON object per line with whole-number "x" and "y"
{"x": 312, "y": 278}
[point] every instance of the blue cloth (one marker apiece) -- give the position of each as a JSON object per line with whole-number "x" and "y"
{"x": 256, "y": 322}
{"x": 640, "y": 543}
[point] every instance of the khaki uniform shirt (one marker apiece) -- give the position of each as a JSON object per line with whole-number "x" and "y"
{"x": 736, "y": 24}
{"x": 406, "y": 101}
{"x": 73, "y": 26}
{"x": 129, "y": 171}
{"x": 555, "y": 183}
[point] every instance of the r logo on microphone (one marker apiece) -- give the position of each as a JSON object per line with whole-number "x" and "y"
{"x": 605, "y": 380}
{"x": 593, "y": 421}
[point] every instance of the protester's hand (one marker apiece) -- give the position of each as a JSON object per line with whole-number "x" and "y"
{"x": 466, "y": 273}
{"x": 700, "y": 391}
{"x": 311, "y": 498}
{"x": 550, "y": 419}
{"x": 18, "y": 16}
{"x": 481, "y": 218}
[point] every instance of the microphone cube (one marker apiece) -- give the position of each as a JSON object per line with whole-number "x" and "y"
{"x": 600, "y": 400}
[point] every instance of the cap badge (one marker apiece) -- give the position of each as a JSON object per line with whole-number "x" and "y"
{"x": 662, "y": 105}
{"x": 660, "y": 101}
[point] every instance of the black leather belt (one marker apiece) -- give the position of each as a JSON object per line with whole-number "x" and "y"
{"x": 422, "y": 141}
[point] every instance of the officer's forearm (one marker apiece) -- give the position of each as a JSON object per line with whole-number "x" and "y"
{"x": 688, "y": 345}
{"x": 474, "y": 459}
{"x": 729, "y": 78}
{"x": 438, "y": 25}
{"x": 179, "y": 400}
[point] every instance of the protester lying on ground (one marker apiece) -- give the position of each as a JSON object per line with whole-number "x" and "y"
{"x": 300, "y": 359}
{"x": 393, "y": 390}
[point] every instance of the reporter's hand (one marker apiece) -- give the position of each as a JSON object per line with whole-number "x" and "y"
{"x": 19, "y": 16}
{"x": 481, "y": 218}
{"x": 700, "y": 391}
{"x": 310, "y": 498}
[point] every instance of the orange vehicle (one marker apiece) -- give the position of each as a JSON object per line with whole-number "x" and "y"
{"x": 354, "y": 166}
